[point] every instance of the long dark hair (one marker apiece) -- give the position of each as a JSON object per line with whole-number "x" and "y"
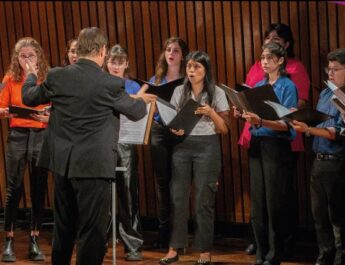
{"x": 277, "y": 50}
{"x": 162, "y": 66}
{"x": 209, "y": 84}
{"x": 284, "y": 32}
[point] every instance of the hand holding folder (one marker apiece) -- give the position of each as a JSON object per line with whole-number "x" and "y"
{"x": 164, "y": 91}
{"x": 252, "y": 100}
{"x": 309, "y": 116}
{"x": 185, "y": 119}
{"x": 25, "y": 113}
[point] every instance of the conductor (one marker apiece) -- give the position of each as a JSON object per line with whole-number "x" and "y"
{"x": 79, "y": 147}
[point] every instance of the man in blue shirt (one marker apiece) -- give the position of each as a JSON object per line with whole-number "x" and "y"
{"x": 327, "y": 184}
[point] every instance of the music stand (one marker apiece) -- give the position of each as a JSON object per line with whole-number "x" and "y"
{"x": 113, "y": 211}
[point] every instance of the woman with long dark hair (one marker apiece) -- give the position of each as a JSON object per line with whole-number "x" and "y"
{"x": 197, "y": 157}
{"x": 269, "y": 156}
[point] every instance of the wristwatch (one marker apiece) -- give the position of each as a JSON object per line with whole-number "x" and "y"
{"x": 307, "y": 132}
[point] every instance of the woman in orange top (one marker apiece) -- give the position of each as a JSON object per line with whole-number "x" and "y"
{"x": 24, "y": 144}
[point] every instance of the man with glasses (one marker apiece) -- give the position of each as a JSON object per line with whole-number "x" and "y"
{"x": 327, "y": 184}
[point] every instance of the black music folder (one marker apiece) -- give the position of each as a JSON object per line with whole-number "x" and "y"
{"x": 185, "y": 119}
{"x": 241, "y": 87}
{"x": 252, "y": 100}
{"x": 310, "y": 116}
{"x": 164, "y": 91}
{"x": 24, "y": 112}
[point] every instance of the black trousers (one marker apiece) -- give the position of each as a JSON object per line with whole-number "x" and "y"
{"x": 292, "y": 208}
{"x": 81, "y": 214}
{"x": 196, "y": 158}
{"x": 127, "y": 184}
{"x": 23, "y": 144}
{"x": 327, "y": 190}
{"x": 270, "y": 188}
{"x": 161, "y": 150}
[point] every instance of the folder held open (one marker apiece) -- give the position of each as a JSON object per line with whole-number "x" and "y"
{"x": 252, "y": 100}
{"x": 310, "y": 116}
{"x": 164, "y": 91}
{"x": 24, "y": 112}
{"x": 185, "y": 119}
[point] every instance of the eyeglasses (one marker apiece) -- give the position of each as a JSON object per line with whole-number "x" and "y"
{"x": 172, "y": 50}
{"x": 30, "y": 56}
{"x": 333, "y": 70}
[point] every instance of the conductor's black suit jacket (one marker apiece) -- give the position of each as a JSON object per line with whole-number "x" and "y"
{"x": 83, "y": 127}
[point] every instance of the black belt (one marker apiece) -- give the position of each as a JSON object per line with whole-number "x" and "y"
{"x": 320, "y": 156}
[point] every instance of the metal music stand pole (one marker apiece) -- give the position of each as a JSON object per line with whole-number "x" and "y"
{"x": 113, "y": 211}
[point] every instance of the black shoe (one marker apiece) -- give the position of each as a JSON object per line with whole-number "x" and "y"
{"x": 251, "y": 249}
{"x": 35, "y": 253}
{"x": 8, "y": 254}
{"x": 203, "y": 262}
{"x": 167, "y": 261}
{"x": 134, "y": 256}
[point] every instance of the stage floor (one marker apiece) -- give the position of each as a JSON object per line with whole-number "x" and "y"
{"x": 226, "y": 252}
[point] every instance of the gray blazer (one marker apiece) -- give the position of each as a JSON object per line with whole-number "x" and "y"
{"x": 83, "y": 127}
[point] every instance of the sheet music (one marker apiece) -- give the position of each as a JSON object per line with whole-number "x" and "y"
{"x": 133, "y": 132}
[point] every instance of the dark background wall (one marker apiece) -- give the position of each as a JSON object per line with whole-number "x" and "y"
{"x": 232, "y": 34}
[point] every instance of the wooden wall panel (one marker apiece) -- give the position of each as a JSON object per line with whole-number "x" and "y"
{"x": 230, "y": 32}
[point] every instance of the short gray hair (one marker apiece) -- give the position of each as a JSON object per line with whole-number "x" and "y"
{"x": 91, "y": 41}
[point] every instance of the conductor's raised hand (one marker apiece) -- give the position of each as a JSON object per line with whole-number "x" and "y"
{"x": 205, "y": 110}
{"x": 146, "y": 97}
{"x": 30, "y": 68}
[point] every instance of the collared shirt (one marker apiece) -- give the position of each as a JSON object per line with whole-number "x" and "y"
{"x": 299, "y": 77}
{"x": 205, "y": 125}
{"x": 286, "y": 93}
{"x": 321, "y": 144}
{"x": 11, "y": 94}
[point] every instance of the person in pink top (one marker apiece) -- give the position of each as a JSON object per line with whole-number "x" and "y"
{"x": 280, "y": 33}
